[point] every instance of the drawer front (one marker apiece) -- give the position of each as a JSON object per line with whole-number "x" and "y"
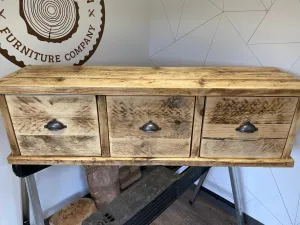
{"x": 269, "y": 121}
{"x": 127, "y": 115}
{"x": 30, "y": 114}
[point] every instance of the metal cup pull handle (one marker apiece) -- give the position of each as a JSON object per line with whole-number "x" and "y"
{"x": 247, "y": 127}
{"x": 55, "y": 125}
{"x": 150, "y": 127}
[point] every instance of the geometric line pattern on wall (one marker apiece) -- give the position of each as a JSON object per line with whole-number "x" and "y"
{"x": 281, "y": 197}
{"x": 261, "y": 212}
{"x": 260, "y": 182}
{"x": 195, "y": 13}
{"x": 246, "y": 22}
{"x": 289, "y": 189}
{"x": 201, "y": 37}
{"x": 218, "y": 3}
{"x": 267, "y": 3}
{"x": 280, "y": 24}
{"x": 243, "y": 5}
{"x": 230, "y": 49}
{"x": 160, "y": 30}
{"x": 173, "y": 9}
{"x": 281, "y": 55}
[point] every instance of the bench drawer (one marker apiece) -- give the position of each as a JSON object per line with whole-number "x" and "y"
{"x": 132, "y": 118}
{"x": 76, "y": 132}
{"x": 246, "y": 127}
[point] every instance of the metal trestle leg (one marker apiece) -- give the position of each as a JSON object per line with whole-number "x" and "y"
{"x": 34, "y": 200}
{"x": 236, "y": 195}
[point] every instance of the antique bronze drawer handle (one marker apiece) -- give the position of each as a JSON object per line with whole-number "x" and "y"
{"x": 150, "y": 127}
{"x": 247, "y": 127}
{"x": 55, "y": 125}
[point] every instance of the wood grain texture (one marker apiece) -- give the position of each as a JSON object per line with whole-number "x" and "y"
{"x": 86, "y": 126}
{"x": 127, "y": 114}
{"x": 292, "y": 133}
{"x": 48, "y": 106}
{"x": 229, "y": 81}
{"x": 9, "y": 126}
{"x": 228, "y": 131}
{"x": 202, "y": 87}
{"x": 271, "y": 115}
{"x": 197, "y": 126}
{"x": 140, "y": 94}
{"x": 103, "y": 123}
{"x": 228, "y": 148}
{"x": 74, "y": 213}
{"x": 30, "y": 114}
{"x": 148, "y": 72}
{"x": 64, "y": 160}
{"x": 59, "y": 145}
{"x": 150, "y": 147}
{"x": 258, "y": 110}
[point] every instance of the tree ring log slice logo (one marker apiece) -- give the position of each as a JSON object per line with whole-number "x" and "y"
{"x": 43, "y": 32}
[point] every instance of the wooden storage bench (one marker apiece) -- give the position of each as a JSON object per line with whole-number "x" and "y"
{"x": 151, "y": 116}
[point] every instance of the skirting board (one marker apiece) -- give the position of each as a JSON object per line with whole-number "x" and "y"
{"x": 89, "y": 160}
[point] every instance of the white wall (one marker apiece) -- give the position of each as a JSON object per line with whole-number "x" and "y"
{"x": 188, "y": 33}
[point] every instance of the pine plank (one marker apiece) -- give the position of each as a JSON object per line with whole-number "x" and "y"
{"x": 209, "y": 81}
{"x": 257, "y": 110}
{"x": 9, "y": 126}
{"x": 90, "y": 160}
{"x": 197, "y": 126}
{"x": 59, "y": 145}
{"x": 292, "y": 133}
{"x": 228, "y": 131}
{"x": 103, "y": 123}
{"x": 151, "y": 73}
{"x": 228, "y": 148}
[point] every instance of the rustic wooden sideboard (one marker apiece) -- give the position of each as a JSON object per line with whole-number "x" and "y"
{"x": 222, "y": 116}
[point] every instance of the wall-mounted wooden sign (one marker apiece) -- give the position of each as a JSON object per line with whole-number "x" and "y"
{"x": 64, "y": 32}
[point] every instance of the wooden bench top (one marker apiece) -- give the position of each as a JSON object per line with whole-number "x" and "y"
{"x": 183, "y": 81}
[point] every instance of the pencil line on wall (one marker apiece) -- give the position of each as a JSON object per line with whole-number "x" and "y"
{"x": 248, "y": 201}
{"x": 258, "y": 27}
{"x": 213, "y": 39}
{"x": 167, "y": 19}
{"x": 276, "y": 43}
{"x": 293, "y": 64}
{"x": 243, "y": 40}
{"x": 297, "y": 210}
{"x": 273, "y": 3}
{"x": 220, "y": 192}
{"x": 185, "y": 35}
{"x": 281, "y": 197}
{"x": 214, "y": 4}
{"x": 263, "y": 4}
{"x": 200, "y": 25}
{"x": 263, "y": 205}
{"x": 179, "y": 20}
{"x": 257, "y": 10}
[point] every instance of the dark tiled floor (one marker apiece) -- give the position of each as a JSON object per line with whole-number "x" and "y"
{"x": 202, "y": 212}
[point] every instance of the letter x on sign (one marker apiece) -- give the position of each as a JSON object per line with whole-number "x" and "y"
{"x": 91, "y": 12}
{"x": 1, "y": 13}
